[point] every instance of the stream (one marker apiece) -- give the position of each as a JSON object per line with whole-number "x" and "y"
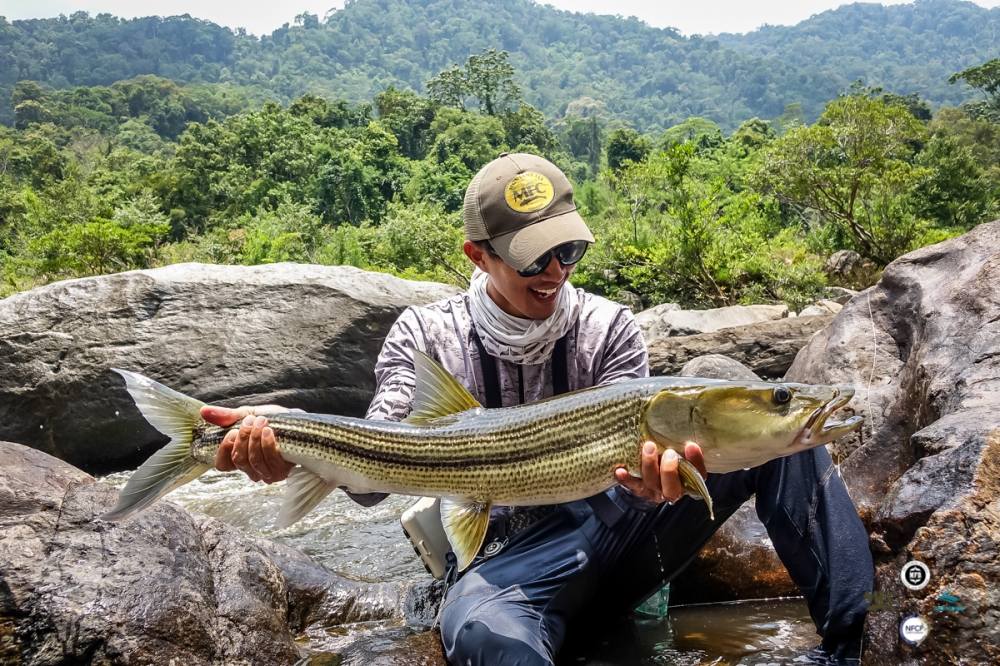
{"x": 367, "y": 544}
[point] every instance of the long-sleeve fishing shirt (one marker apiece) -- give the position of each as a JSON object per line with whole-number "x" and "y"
{"x": 604, "y": 347}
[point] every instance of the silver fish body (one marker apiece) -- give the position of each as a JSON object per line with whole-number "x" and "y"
{"x": 552, "y": 451}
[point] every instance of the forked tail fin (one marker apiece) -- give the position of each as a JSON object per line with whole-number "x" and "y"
{"x": 175, "y": 415}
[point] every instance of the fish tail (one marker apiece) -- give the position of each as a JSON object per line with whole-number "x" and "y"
{"x": 176, "y": 416}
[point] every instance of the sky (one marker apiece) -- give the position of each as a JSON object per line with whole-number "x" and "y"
{"x": 697, "y": 17}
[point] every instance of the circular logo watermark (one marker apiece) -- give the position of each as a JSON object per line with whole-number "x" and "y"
{"x": 914, "y": 629}
{"x": 915, "y": 575}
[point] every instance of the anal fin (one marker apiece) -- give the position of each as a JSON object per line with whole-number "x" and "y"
{"x": 303, "y": 491}
{"x": 465, "y": 524}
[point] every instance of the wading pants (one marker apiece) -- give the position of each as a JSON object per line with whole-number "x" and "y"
{"x": 514, "y": 608}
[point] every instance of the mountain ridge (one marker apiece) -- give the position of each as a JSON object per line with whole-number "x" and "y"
{"x": 650, "y": 77}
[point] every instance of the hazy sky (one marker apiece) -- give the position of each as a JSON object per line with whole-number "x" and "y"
{"x": 690, "y": 17}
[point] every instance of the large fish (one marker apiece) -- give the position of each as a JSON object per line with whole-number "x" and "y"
{"x": 557, "y": 450}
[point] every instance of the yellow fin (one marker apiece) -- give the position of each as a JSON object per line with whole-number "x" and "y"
{"x": 303, "y": 491}
{"x": 438, "y": 393}
{"x": 465, "y": 525}
{"x": 694, "y": 484}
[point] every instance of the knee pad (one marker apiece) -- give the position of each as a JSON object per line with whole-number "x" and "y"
{"x": 477, "y": 644}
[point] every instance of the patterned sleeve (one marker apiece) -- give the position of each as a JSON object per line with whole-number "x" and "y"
{"x": 625, "y": 355}
{"x": 394, "y": 381}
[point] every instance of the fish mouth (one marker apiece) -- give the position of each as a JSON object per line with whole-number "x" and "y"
{"x": 818, "y": 430}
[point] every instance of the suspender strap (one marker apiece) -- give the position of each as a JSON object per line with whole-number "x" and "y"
{"x": 490, "y": 376}
{"x": 560, "y": 369}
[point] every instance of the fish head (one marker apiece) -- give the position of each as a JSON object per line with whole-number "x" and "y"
{"x": 740, "y": 425}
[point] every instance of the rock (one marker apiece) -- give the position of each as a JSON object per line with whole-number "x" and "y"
{"x": 669, "y": 320}
{"x": 821, "y": 307}
{"x": 767, "y": 348}
{"x": 649, "y": 319}
{"x": 922, "y": 470}
{"x": 297, "y": 335}
{"x": 738, "y": 562}
{"x": 848, "y": 268}
{"x": 717, "y": 366}
{"x": 629, "y": 299}
{"x": 839, "y": 294}
{"x": 165, "y": 585}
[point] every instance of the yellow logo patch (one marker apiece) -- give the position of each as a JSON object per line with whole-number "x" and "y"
{"x": 528, "y": 192}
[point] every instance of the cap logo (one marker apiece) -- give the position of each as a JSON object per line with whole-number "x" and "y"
{"x": 528, "y": 192}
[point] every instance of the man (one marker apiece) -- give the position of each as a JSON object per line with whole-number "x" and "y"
{"x": 522, "y": 333}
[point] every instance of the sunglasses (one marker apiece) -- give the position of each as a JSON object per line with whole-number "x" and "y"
{"x": 567, "y": 254}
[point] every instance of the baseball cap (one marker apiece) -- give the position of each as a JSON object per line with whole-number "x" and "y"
{"x": 523, "y": 205}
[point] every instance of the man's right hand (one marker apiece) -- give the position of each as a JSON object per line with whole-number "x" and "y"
{"x": 252, "y": 448}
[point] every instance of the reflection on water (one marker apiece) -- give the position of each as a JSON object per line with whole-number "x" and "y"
{"x": 744, "y": 633}
{"x": 367, "y": 544}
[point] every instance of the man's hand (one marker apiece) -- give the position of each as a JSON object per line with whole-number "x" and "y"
{"x": 252, "y": 448}
{"x": 660, "y": 481}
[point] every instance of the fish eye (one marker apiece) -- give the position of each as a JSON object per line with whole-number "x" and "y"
{"x": 781, "y": 395}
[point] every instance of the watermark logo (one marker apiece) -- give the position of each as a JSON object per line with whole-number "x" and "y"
{"x": 915, "y": 575}
{"x": 914, "y": 629}
{"x": 948, "y": 603}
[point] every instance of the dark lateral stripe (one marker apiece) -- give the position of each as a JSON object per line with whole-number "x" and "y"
{"x": 550, "y": 445}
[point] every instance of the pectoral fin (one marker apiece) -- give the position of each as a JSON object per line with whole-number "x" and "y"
{"x": 303, "y": 491}
{"x": 694, "y": 484}
{"x": 465, "y": 524}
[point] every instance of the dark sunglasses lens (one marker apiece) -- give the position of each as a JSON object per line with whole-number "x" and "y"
{"x": 572, "y": 252}
{"x": 537, "y": 267}
{"x": 567, "y": 254}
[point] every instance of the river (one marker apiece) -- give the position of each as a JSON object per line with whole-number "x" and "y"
{"x": 367, "y": 544}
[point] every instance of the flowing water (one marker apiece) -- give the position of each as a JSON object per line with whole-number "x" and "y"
{"x": 367, "y": 544}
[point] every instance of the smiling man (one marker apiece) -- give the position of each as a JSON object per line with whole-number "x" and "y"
{"x": 522, "y": 333}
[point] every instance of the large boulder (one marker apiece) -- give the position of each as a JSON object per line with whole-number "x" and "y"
{"x": 299, "y": 335}
{"x": 767, "y": 348}
{"x": 667, "y": 319}
{"x": 164, "y": 587}
{"x": 921, "y": 349}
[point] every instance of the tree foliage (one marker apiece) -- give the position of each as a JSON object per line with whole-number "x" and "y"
{"x": 650, "y": 78}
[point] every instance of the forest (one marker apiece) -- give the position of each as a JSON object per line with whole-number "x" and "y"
{"x": 567, "y": 63}
{"x": 147, "y": 171}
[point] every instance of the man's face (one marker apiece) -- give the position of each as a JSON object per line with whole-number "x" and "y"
{"x": 532, "y": 297}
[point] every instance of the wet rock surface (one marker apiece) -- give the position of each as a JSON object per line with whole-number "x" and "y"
{"x": 298, "y": 335}
{"x": 922, "y": 349}
{"x": 166, "y": 585}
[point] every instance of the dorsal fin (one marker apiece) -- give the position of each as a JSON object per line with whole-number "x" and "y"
{"x": 437, "y": 393}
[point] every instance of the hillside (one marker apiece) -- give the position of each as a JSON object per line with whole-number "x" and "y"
{"x": 650, "y": 77}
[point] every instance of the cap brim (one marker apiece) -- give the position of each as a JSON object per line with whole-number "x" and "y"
{"x": 520, "y": 248}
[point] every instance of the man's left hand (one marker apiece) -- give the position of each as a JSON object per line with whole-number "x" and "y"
{"x": 660, "y": 481}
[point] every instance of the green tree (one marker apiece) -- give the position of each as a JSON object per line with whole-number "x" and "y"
{"x": 854, "y": 169}
{"x": 985, "y": 77}
{"x": 409, "y": 117}
{"x": 626, "y": 145}
{"x": 490, "y": 78}
{"x": 449, "y": 87}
